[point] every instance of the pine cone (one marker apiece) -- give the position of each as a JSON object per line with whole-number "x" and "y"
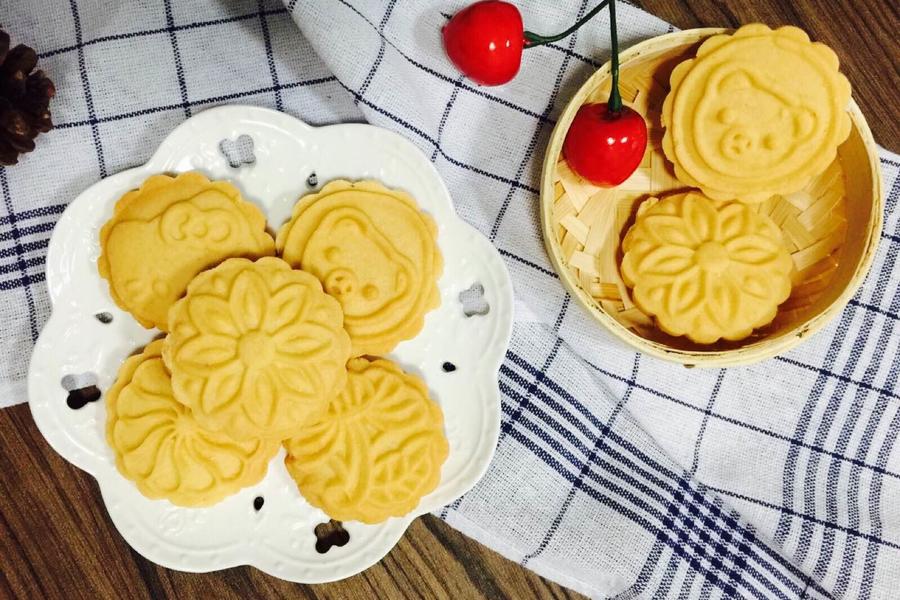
{"x": 24, "y": 101}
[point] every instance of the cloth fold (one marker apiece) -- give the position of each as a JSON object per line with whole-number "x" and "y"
{"x": 616, "y": 474}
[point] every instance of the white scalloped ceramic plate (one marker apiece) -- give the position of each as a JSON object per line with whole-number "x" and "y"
{"x": 279, "y": 538}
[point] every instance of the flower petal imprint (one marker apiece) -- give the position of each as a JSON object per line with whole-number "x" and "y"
{"x": 706, "y": 270}
{"x": 256, "y": 348}
{"x": 160, "y": 446}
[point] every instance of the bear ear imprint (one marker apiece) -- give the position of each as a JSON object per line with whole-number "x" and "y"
{"x": 804, "y": 122}
{"x": 354, "y": 225}
{"x": 738, "y": 80}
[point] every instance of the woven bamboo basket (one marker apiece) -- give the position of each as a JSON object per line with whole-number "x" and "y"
{"x": 832, "y": 227}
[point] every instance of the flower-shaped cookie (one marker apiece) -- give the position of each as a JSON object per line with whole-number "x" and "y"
{"x": 256, "y": 348}
{"x": 755, "y": 114}
{"x": 160, "y": 446}
{"x": 377, "y": 450}
{"x": 706, "y": 270}
{"x": 167, "y": 231}
{"x": 373, "y": 250}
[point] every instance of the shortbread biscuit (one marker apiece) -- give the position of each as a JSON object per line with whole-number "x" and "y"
{"x": 160, "y": 446}
{"x": 378, "y": 449}
{"x": 373, "y": 250}
{"x": 706, "y": 270}
{"x": 256, "y": 348}
{"x": 164, "y": 233}
{"x": 755, "y": 114}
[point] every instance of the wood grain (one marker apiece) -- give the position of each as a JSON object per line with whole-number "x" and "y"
{"x": 56, "y": 540}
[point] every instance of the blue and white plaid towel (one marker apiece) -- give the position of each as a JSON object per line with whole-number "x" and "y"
{"x": 616, "y": 474}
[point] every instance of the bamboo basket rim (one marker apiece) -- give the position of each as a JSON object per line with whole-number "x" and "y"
{"x": 744, "y": 355}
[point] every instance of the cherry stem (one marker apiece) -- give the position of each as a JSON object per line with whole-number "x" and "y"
{"x": 614, "y": 105}
{"x": 533, "y": 39}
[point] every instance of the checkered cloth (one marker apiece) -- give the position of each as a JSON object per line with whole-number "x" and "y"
{"x": 616, "y": 474}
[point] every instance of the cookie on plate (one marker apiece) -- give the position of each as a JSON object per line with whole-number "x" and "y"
{"x": 256, "y": 349}
{"x": 377, "y": 450}
{"x": 164, "y": 233}
{"x": 756, "y": 113}
{"x": 160, "y": 446}
{"x": 373, "y": 250}
{"x": 706, "y": 270}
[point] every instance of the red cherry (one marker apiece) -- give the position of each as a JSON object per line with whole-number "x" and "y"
{"x": 603, "y": 147}
{"x": 485, "y": 40}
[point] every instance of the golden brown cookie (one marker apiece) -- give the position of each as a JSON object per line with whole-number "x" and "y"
{"x": 167, "y": 231}
{"x": 378, "y": 449}
{"x": 160, "y": 446}
{"x": 256, "y": 348}
{"x": 373, "y": 250}
{"x": 755, "y": 114}
{"x": 706, "y": 270}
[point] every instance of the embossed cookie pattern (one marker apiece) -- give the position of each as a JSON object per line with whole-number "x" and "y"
{"x": 706, "y": 270}
{"x": 256, "y": 348}
{"x": 373, "y": 250}
{"x": 161, "y": 235}
{"x": 755, "y": 114}
{"x": 378, "y": 449}
{"x": 161, "y": 447}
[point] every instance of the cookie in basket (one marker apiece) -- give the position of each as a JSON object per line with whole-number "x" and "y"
{"x": 378, "y": 449}
{"x": 373, "y": 250}
{"x": 167, "y": 231}
{"x": 704, "y": 269}
{"x": 256, "y": 349}
{"x": 756, "y": 113}
{"x": 160, "y": 446}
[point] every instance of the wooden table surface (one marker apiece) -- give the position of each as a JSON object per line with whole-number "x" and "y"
{"x": 56, "y": 540}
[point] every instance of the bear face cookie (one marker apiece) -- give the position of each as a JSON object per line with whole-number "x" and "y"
{"x": 167, "y": 231}
{"x": 755, "y": 114}
{"x": 706, "y": 270}
{"x": 256, "y": 349}
{"x": 373, "y": 250}
{"x": 376, "y": 451}
{"x": 160, "y": 446}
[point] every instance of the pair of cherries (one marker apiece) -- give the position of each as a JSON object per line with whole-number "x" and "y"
{"x": 606, "y": 141}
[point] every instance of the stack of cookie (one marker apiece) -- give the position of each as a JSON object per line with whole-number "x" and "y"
{"x": 262, "y": 351}
{"x": 755, "y": 114}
